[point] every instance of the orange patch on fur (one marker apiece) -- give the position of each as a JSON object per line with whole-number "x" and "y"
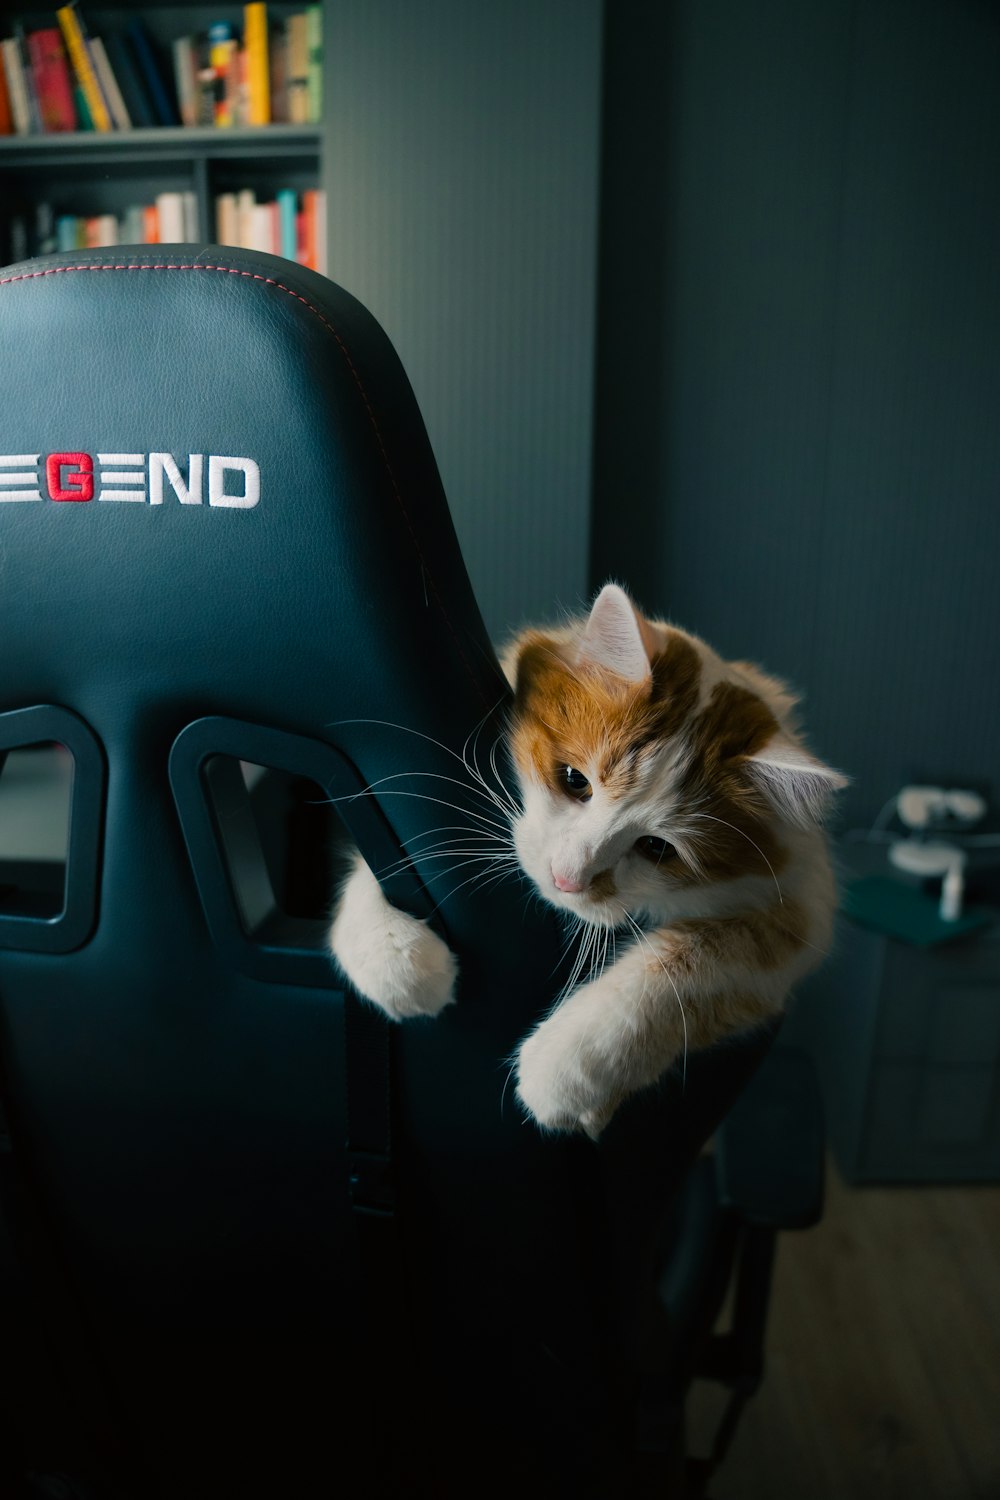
{"x": 578, "y": 718}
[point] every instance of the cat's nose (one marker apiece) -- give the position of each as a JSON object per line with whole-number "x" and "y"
{"x": 566, "y": 882}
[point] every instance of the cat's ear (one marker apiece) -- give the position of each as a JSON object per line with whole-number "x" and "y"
{"x": 798, "y": 785}
{"x": 616, "y": 637}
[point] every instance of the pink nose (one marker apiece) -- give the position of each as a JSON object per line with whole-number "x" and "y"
{"x": 564, "y": 883}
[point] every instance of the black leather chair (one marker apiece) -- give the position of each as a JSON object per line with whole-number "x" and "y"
{"x": 254, "y": 1241}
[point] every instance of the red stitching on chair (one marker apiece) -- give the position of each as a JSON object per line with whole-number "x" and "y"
{"x": 271, "y": 281}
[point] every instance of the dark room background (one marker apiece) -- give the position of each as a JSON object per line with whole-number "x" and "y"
{"x": 797, "y": 443}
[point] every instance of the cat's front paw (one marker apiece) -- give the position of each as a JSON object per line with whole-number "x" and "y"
{"x": 556, "y": 1085}
{"x": 391, "y": 958}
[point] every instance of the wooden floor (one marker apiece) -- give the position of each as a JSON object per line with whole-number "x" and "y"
{"x": 883, "y": 1359}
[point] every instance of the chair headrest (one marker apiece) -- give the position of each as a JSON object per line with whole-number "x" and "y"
{"x": 203, "y": 455}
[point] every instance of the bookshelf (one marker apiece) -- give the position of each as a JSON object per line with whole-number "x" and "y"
{"x": 89, "y": 175}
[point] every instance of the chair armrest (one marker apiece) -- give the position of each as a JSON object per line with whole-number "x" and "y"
{"x": 770, "y": 1149}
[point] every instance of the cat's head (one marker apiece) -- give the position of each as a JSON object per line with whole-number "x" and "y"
{"x": 652, "y": 773}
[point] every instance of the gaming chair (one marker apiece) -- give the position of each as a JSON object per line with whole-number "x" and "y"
{"x": 262, "y": 1242}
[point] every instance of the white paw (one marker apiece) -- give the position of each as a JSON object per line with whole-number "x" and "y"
{"x": 559, "y": 1079}
{"x": 391, "y": 958}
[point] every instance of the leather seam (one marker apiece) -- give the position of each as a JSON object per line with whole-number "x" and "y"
{"x": 272, "y": 281}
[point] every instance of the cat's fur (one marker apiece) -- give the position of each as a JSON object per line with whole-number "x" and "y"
{"x": 691, "y": 829}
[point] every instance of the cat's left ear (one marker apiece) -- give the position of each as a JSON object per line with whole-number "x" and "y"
{"x": 616, "y": 638}
{"x": 798, "y": 785}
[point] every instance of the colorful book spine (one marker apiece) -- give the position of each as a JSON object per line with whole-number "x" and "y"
{"x": 287, "y": 208}
{"x": 66, "y": 232}
{"x": 309, "y": 257}
{"x": 255, "y": 42}
{"x": 16, "y": 85}
{"x": 222, "y": 47}
{"x": 109, "y": 85}
{"x": 79, "y": 56}
{"x": 6, "y": 117}
{"x": 53, "y": 82}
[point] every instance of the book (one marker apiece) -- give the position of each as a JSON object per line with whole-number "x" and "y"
{"x": 287, "y": 202}
{"x": 236, "y": 87}
{"x": 102, "y": 230}
{"x": 16, "y": 85}
{"x": 53, "y": 83}
{"x": 131, "y": 230}
{"x": 66, "y": 232}
{"x": 246, "y": 201}
{"x": 297, "y": 85}
{"x": 161, "y": 97}
{"x": 204, "y": 80}
{"x": 79, "y": 55}
{"x": 227, "y": 223}
{"x": 133, "y": 90}
{"x": 83, "y": 120}
{"x": 185, "y": 80}
{"x": 314, "y": 46}
{"x": 170, "y": 217}
{"x": 222, "y": 48}
{"x": 320, "y": 232}
{"x": 277, "y": 61}
{"x": 6, "y": 117}
{"x": 192, "y": 225}
{"x": 309, "y": 205}
{"x": 255, "y": 44}
{"x": 117, "y": 109}
{"x": 34, "y": 108}
{"x": 263, "y": 232}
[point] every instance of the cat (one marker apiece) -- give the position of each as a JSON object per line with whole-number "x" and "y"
{"x": 666, "y": 798}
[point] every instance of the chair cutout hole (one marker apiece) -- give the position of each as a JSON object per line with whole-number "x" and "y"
{"x": 36, "y": 786}
{"x": 283, "y": 845}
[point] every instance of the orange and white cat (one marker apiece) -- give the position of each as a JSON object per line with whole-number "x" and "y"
{"x": 669, "y": 804}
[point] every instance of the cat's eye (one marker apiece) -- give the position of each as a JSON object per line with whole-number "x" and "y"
{"x": 575, "y": 784}
{"x": 654, "y": 849}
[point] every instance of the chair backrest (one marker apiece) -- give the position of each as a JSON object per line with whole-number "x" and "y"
{"x": 223, "y": 539}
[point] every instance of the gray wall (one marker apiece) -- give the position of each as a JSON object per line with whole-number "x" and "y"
{"x": 461, "y": 161}
{"x": 798, "y": 434}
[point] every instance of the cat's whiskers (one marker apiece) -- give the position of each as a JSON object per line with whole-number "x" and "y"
{"x": 486, "y": 877}
{"x": 503, "y": 1091}
{"x": 436, "y": 776}
{"x": 589, "y": 940}
{"x": 425, "y": 796}
{"x": 514, "y": 809}
{"x": 501, "y": 796}
{"x": 405, "y": 729}
{"x": 467, "y": 856}
{"x": 578, "y": 934}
